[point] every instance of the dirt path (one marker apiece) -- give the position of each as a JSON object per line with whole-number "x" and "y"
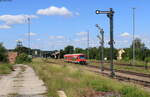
{"x": 23, "y": 82}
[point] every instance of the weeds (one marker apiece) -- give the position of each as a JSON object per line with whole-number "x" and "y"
{"x": 75, "y": 82}
{"x": 5, "y": 68}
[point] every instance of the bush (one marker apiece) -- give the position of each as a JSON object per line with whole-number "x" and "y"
{"x": 3, "y": 53}
{"x": 5, "y": 68}
{"x": 147, "y": 59}
{"x": 22, "y": 58}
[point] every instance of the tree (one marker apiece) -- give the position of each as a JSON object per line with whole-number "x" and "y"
{"x": 22, "y": 49}
{"x": 3, "y": 53}
{"x": 140, "y": 51}
{"x": 80, "y": 50}
{"x": 138, "y": 43}
{"x": 93, "y": 52}
{"x": 128, "y": 54}
{"x": 69, "y": 49}
{"x": 62, "y": 53}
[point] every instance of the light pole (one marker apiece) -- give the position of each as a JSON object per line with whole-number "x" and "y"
{"x": 29, "y": 35}
{"x": 88, "y": 44}
{"x": 133, "y": 36}
{"x": 101, "y": 38}
{"x": 111, "y": 43}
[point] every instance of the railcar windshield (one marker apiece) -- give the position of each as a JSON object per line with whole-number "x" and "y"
{"x": 82, "y": 57}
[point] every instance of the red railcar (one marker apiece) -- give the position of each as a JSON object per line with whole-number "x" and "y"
{"x": 76, "y": 58}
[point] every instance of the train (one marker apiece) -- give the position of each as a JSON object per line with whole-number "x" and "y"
{"x": 76, "y": 58}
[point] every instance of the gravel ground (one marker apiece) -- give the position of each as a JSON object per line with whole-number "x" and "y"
{"x": 123, "y": 75}
{"x": 23, "y": 82}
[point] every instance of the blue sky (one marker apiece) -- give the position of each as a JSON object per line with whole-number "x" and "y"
{"x": 57, "y": 23}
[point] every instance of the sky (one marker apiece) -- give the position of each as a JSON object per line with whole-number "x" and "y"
{"x": 58, "y": 23}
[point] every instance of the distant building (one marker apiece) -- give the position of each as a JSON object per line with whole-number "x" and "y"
{"x": 56, "y": 55}
{"x": 12, "y": 57}
{"x": 120, "y": 53}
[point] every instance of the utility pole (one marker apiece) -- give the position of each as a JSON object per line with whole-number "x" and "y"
{"x": 29, "y": 36}
{"x": 111, "y": 43}
{"x": 88, "y": 44}
{"x": 133, "y": 36}
{"x": 101, "y": 38}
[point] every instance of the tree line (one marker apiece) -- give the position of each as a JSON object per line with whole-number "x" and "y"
{"x": 142, "y": 53}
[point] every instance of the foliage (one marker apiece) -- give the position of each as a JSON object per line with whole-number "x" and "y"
{"x": 22, "y": 49}
{"x": 69, "y": 49}
{"x": 138, "y": 43}
{"x": 23, "y": 58}
{"x": 5, "y": 68}
{"x": 147, "y": 60}
{"x": 80, "y": 50}
{"x": 62, "y": 53}
{"x": 3, "y": 53}
{"x": 94, "y": 52}
{"x": 141, "y": 52}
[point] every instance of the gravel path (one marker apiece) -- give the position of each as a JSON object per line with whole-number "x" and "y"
{"x": 23, "y": 82}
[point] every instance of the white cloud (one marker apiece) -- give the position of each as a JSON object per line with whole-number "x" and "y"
{"x": 38, "y": 39}
{"x": 60, "y": 37}
{"x": 80, "y": 39}
{"x": 77, "y": 40}
{"x": 77, "y": 14}
{"x": 121, "y": 41}
{"x": 53, "y": 10}
{"x": 15, "y": 19}
{"x": 51, "y": 37}
{"x": 21, "y": 40}
{"x": 125, "y": 34}
{"x": 56, "y": 37}
{"x": 9, "y": 20}
{"x": 84, "y": 38}
{"x": 5, "y": 26}
{"x": 31, "y": 34}
{"x": 81, "y": 33}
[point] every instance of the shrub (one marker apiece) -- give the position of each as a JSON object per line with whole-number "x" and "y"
{"x": 3, "y": 53}
{"x": 147, "y": 59}
{"x": 5, "y": 68}
{"x": 22, "y": 58}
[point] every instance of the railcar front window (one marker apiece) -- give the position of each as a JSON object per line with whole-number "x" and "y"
{"x": 82, "y": 57}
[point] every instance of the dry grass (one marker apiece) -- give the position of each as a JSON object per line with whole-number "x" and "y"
{"x": 76, "y": 82}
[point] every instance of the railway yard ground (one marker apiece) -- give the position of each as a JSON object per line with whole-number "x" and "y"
{"x": 84, "y": 81}
{"x": 121, "y": 66}
{"x": 47, "y": 77}
{"x": 21, "y": 82}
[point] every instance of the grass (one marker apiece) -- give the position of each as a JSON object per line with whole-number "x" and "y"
{"x": 127, "y": 68}
{"x": 5, "y": 68}
{"x": 140, "y": 63}
{"x": 76, "y": 82}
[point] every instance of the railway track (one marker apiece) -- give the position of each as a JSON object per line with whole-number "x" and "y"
{"x": 124, "y": 71}
{"x": 121, "y": 64}
{"x": 138, "y": 78}
{"x": 128, "y": 76}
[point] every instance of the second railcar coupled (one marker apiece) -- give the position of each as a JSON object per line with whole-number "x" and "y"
{"x": 76, "y": 58}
